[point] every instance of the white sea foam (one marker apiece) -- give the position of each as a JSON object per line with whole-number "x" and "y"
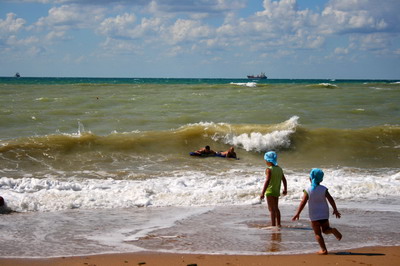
{"x": 254, "y": 141}
{"x": 189, "y": 188}
{"x": 257, "y": 141}
{"x": 168, "y": 220}
{"x": 246, "y": 84}
{"x": 381, "y": 89}
{"x": 191, "y": 214}
{"x": 261, "y": 142}
{"x": 328, "y": 85}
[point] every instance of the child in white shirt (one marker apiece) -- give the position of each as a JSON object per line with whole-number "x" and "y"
{"x": 317, "y": 196}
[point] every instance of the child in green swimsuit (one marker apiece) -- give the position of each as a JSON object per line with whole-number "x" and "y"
{"x": 272, "y": 187}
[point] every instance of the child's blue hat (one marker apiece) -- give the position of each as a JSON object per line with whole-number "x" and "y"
{"x": 271, "y": 157}
{"x": 316, "y": 176}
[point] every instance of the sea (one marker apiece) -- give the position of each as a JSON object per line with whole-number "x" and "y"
{"x": 102, "y": 165}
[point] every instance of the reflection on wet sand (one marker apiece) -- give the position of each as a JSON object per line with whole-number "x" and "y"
{"x": 275, "y": 244}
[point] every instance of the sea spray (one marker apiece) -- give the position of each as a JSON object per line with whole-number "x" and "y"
{"x": 259, "y": 142}
{"x": 237, "y": 186}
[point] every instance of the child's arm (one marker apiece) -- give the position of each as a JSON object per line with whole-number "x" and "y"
{"x": 301, "y": 207}
{"x": 284, "y": 185}
{"x": 266, "y": 184}
{"x": 333, "y": 204}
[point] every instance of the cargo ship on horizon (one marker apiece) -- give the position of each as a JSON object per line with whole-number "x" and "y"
{"x": 261, "y": 76}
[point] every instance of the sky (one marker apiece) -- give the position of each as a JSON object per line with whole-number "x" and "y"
{"x": 307, "y": 39}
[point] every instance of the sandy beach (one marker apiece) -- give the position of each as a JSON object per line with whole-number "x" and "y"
{"x": 370, "y": 256}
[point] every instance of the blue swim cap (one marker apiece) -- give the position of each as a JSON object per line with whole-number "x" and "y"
{"x": 271, "y": 157}
{"x": 316, "y": 176}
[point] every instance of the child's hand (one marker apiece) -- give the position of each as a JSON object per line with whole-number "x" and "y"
{"x": 262, "y": 197}
{"x": 296, "y": 217}
{"x": 284, "y": 192}
{"x": 337, "y": 214}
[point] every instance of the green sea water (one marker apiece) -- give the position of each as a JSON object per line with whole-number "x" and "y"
{"x": 82, "y": 157}
{"x": 47, "y": 106}
{"x": 335, "y": 122}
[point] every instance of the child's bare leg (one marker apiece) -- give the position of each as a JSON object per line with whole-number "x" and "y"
{"x": 271, "y": 209}
{"x": 278, "y": 216}
{"x": 318, "y": 236}
{"x": 274, "y": 210}
{"x": 337, "y": 234}
{"x": 326, "y": 229}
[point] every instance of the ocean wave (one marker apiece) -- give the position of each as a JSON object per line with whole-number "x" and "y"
{"x": 366, "y": 147}
{"x": 245, "y": 84}
{"x": 249, "y": 137}
{"x": 256, "y": 141}
{"x": 188, "y": 188}
{"x": 381, "y": 89}
{"x": 324, "y": 85}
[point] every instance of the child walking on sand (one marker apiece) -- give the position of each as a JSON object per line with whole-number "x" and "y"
{"x": 272, "y": 186}
{"x": 318, "y": 209}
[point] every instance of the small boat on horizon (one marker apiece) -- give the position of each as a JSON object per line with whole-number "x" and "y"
{"x": 17, "y": 75}
{"x": 261, "y": 76}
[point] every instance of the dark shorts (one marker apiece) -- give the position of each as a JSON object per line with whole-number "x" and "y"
{"x": 321, "y": 221}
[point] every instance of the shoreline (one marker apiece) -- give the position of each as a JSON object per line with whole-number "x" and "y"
{"x": 377, "y": 255}
{"x": 228, "y": 230}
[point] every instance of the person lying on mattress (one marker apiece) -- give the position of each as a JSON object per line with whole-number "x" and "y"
{"x": 205, "y": 151}
{"x": 230, "y": 153}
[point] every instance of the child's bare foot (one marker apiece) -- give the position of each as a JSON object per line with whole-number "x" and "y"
{"x": 337, "y": 234}
{"x": 322, "y": 252}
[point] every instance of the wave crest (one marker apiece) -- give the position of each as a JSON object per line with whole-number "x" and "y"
{"x": 257, "y": 141}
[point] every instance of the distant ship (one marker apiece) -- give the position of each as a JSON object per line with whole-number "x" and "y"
{"x": 17, "y": 75}
{"x": 261, "y": 76}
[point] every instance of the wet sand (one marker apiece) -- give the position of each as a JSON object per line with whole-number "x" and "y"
{"x": 369, "y": 256}
{"x": 230, "y": 230}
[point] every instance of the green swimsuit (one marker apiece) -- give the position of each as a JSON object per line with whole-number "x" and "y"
{"x": 274, "y": 186}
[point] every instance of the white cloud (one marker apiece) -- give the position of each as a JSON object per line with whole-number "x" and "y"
{"x": 370, "y": 42}
{"x": 56, "y": 35}
{"x": 341, "y": 51}
{"x": 118, "y": 46}
{"x": 175, "y": 51}
{"x": 9, "y": 40}
{"x": 209, "y": 28}
{"x": 157, "y": 6}
{"x": 280, "y": 24}
{"x": 13, "y": 41}
{"x": 22, "y": 46}
{"x": 195, "y": 6}
{"x": 187, "y": 30}
{"x": 369, "y": 25}
{"x": 150, "y": 25}
{"x": 11, "y": 24}
{"x": 360, "y": 16}
{"x": 68, "y": 17}
{"x": 119, "y": 26}
{"x": 125, "y": 27}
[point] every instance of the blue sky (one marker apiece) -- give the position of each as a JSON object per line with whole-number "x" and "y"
{"x": 333, "y": 39}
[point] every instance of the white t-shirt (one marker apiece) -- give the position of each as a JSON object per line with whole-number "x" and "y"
{"x": 318, "y": 208}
